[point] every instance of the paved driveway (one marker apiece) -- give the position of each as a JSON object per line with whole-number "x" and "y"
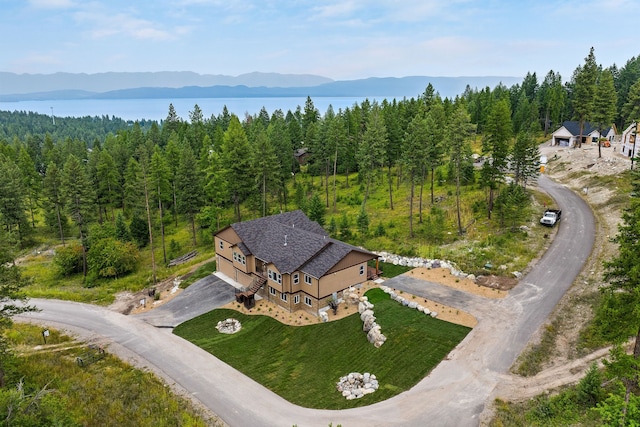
{"x": 201, "y": 297}
{"x": 455, "y": 392}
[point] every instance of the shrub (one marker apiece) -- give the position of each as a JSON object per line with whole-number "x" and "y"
{"x": 112, "y": 258}
{"x": 68, "y": 260}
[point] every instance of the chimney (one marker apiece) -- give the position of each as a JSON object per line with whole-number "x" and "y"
{"x": 285, "y": 240}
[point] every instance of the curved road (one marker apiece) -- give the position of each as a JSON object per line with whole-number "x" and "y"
{"x": 453, "y": 394}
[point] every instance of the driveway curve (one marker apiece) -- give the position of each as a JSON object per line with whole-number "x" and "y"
{"x": 453, "y": 394}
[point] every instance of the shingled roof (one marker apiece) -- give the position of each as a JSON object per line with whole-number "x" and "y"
{"x": 291, "y": 241}
{"x": 574, "y": 127}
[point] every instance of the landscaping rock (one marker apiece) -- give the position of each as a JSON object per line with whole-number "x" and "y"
{"x": 228, "y": 326}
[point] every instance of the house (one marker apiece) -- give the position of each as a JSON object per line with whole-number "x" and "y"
{"x": 628, "y": 141}
{"x": 289, "y": 260}
{"x": 568, "y": 134}
{"x": 301, "y": 155}
{"x": 611, "y": 134}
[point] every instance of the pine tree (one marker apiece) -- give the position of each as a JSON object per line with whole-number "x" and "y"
{"x": 235, "y": 162}
{"x": 458, "y": 132}
{"x": 495, "y": 148}
{"x": 604, "y": 104}
{"x": 188, "y": 187}
{"x": 52, "y": 187}
{"x": 78, "y": 198}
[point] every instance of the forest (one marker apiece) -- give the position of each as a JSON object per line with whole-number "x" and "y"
{"x": 408, "y": 176}
{"x": 114, "y": 186}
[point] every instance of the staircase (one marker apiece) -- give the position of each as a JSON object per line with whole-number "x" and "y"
{"x": 246, "y": 295}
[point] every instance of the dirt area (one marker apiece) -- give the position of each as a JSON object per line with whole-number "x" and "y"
{"x": 165, "y": 291}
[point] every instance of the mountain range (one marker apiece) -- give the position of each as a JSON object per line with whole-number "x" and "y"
{"x": 184, "y": 84}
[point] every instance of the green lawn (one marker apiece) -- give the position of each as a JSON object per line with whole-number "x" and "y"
{"x": 302, "y": 364}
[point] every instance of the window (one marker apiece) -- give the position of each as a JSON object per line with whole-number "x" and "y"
{"x": 235, "y": 256}
{"x": 307, "y": 300}
{"x": 243, "y": 259}
{"x": 307, "y": 279}
{"x": 362, "y": 270}
{"x": 296, "y": 299}
{"x": 274, "y": 276}
{"x": 283, "y": 297}
{"x": 272, "y": 291}
{"x": 221, "y": 244}
{"x": 296, "y": 278}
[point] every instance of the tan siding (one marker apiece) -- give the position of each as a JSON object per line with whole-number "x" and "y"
{"x": 339, "y": 280}
{"x": 229, "y": 235}
{"x": 226, "y": 250}
{"x": 353, "y": 258}
{"x": 225, "y": 266}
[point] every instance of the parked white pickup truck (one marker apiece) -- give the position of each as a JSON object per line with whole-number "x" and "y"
{"x": 550, "y": 217}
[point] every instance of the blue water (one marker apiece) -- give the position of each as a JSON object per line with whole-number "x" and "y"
{"x": 157, "y": 109}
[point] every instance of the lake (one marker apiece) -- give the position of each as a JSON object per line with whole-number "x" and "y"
{"x": 157, "y": 109}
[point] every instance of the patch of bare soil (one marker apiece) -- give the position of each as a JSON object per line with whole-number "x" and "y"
{"x": 144, "y": 300}
{"x": 500, "y": 283}
{"x": 487, "y": 288}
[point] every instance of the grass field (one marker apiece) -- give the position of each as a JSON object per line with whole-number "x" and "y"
{"x": 302, "y": 364}
{"x": 108, "y": 392}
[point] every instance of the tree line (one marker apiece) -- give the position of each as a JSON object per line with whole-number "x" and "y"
{"x": 202, "y": 168}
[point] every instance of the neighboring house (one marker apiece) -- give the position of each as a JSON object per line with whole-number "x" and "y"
{"x": 611, "y": 134}
{"x": 289, "y": 260}
{"x": 568, "y": 134}
{"x": 301, "y": 155}
{"x": 628, "y": 140}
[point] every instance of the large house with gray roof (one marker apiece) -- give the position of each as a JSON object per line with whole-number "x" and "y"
{"x": 289, "y": 260}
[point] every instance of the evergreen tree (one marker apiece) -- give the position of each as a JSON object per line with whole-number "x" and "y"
{"x": 413, "y": 158}
{"x": 235, "y": 161}
{"x": 370, "y": 153}
{"x": 631, "y": 108}
{"x": 317, "y": 210}
{"x": 12, "y": 207}
{"x": 160, "y": 189}
{"x": 78, "y": 198}
{"x": 122, "y": 231}
{"x": 188, "y": 186}
{"x": 13, "y": 300}
{"x": 495, "y": 148}
{"x": 265, "y": 166}
{"x": 524, "y": 159}
{"x": 604, "y": 104}
{"x": 52, "y": 187}
{"x": 108, "y": 180}
{"x": 584, "y": 88}
{"x": 458, "y": 132}
{"x": 31, "y": 182}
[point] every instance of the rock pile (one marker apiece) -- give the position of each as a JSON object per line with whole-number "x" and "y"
{"x": 406, "y": 303}
{"x": 355, "y": 385}
{"x": 416, "y": 262}
{"x": 228, "y": 326}
{"x": 369, "y": 325}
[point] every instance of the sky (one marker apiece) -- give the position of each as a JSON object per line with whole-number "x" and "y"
{"x": 342, "y": 39}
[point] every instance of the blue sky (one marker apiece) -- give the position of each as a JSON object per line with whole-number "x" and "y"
{"x": 342, "y": 39}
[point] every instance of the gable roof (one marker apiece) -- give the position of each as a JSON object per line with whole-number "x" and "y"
{"x": 291, "y": 241}
{"x": 574, "y": 127}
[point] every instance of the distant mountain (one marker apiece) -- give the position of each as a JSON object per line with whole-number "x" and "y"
{"x": 11, "y": 83}
{"x": 258, "y": 85}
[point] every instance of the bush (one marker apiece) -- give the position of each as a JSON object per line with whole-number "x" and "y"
{"x": 68, "y": 260}
{"x": 112, "y": 258}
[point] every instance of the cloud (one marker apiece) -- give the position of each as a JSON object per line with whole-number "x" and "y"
{"x": 52, "y": 4}
{"x": 107, "y": 25}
